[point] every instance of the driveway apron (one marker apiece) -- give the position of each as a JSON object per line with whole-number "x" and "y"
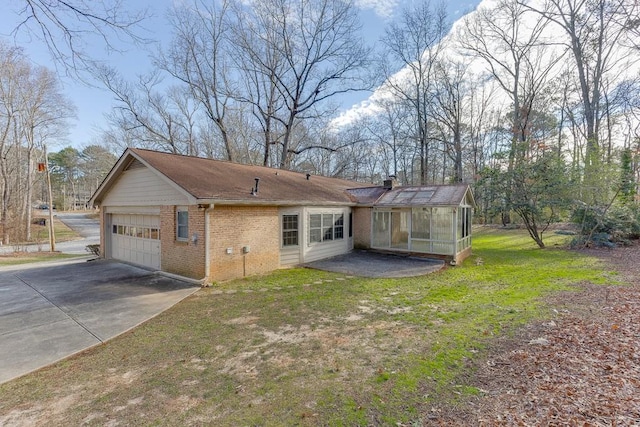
{"x": 50, "y": 312}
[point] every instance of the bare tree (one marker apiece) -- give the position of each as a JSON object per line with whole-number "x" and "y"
{"x": 512, "y": 45}
{"x": 596, "y": 32}
{"x": 44, "y": 113}
{"x": 33, "y": 111}
{"x": 69, "y": 28}
{"x": 199, "y": 57}
{"x": 141, "y": 111}
{"x": 154, "y": 115}
{"x": 413, "y": 44}
{"x": 309, "y": 52}
{"x": 451, "y": 99}
{"x": 14, "y": 67}
{"x": 391, "y": 130}
{"x": 259, "y": 61}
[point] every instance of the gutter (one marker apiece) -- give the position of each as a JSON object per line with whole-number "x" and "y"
{"x": 271, "y": 203}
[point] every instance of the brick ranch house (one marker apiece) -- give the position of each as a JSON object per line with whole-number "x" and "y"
{"x": 212, "y": 220}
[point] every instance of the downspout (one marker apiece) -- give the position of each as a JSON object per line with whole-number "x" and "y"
{"x": 207, "y": 249}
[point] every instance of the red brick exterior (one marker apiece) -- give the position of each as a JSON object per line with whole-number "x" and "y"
{"x": 361, "y": 228}
{"x": 178, "y": 257}
{"x": 235, "y": 227}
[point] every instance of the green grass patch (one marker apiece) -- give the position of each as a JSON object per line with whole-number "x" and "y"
{"x": 305, "y": 347}
{"x": 40, "y": 233}
{"x": 30, "y": 257}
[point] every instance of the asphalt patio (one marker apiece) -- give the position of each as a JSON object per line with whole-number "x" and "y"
{"x": 54, "y": 310}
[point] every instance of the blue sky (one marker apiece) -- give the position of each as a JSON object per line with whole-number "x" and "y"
{"x": 92, "y": 102}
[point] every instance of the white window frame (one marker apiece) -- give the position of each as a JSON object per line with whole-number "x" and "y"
{"x": 290, "y": 230}
{"x": 325, "y": 228}
{"x": 181, "y": 226}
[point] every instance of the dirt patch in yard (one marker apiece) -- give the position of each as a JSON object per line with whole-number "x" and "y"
{"x": 580, "y": 368}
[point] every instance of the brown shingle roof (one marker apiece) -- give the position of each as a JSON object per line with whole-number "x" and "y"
{"x": 221, "y": 182}
{"x": 226, "y": 182}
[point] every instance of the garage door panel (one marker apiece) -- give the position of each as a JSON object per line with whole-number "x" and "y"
{"x": 135, "y": 238}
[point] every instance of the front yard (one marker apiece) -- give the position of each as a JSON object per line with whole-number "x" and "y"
{"x": 304, "y": 347}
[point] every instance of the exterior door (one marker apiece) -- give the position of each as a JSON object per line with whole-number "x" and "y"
{"x": 135, "y": 238}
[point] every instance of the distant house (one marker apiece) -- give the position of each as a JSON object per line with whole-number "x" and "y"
{"x": 213, "y": 220}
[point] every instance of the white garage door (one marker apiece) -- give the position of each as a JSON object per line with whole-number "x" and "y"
{"x": 136, "y": 239}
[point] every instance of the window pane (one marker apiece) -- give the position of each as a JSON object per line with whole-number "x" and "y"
{"x": 315, "y": 220}
{"x": 467, "y": 222}
{"x": 315, "y": 235}
{"x": 289, "y": 230}
{"x": 327, "y": 227}
{"x": 327, "y": 233}
{"x": 290, "y": 238}
{"x": 315, "y": 228}
{"x": 381, "y": 225}
{"x": 290, "y": 222}
{"x": 420, "y": 223}
{"x": 338, "y": 226}
{"x": 464, "y": 222}
{"x": 154, "y": 234}
{"x": 115, "y": 229}
{"x": 400, "y": 230}
{"x": 183, "y": 225}
{"x": 441, "y": 230}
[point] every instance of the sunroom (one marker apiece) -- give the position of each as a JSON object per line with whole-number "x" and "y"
{"x": 430, "y": 220}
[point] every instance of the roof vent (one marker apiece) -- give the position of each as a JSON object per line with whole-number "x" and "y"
{"x": 308, "y": 176}
{"x": 254, "y": 190}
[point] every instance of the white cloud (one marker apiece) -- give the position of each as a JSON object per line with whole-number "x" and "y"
{"x": 382, "y": 8}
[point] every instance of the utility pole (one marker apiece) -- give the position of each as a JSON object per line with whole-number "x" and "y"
{"x": 52, "y": 237}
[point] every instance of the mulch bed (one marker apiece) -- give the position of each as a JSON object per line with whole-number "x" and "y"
{"x": 580, "y": 369}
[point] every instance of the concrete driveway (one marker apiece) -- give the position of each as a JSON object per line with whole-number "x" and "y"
{"x": 49, "y": 312}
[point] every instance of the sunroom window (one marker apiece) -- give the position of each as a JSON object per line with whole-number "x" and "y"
{"x": 326, "y": 227}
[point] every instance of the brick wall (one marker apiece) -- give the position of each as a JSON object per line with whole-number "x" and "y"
{"x": 361, "y": 228}
{"x": 183, "y": 258}
{"x": 235, "y": 227}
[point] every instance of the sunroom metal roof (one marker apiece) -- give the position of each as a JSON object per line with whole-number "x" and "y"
{"x": 414, "y": 196}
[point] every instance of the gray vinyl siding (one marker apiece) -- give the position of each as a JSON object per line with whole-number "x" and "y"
{"x": 139, "y": 187}
{"x": 326, "y": 249}
{"x": 290, "y": 255}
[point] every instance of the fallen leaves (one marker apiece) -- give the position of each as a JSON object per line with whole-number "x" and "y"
{"x": 582, "y": 368}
